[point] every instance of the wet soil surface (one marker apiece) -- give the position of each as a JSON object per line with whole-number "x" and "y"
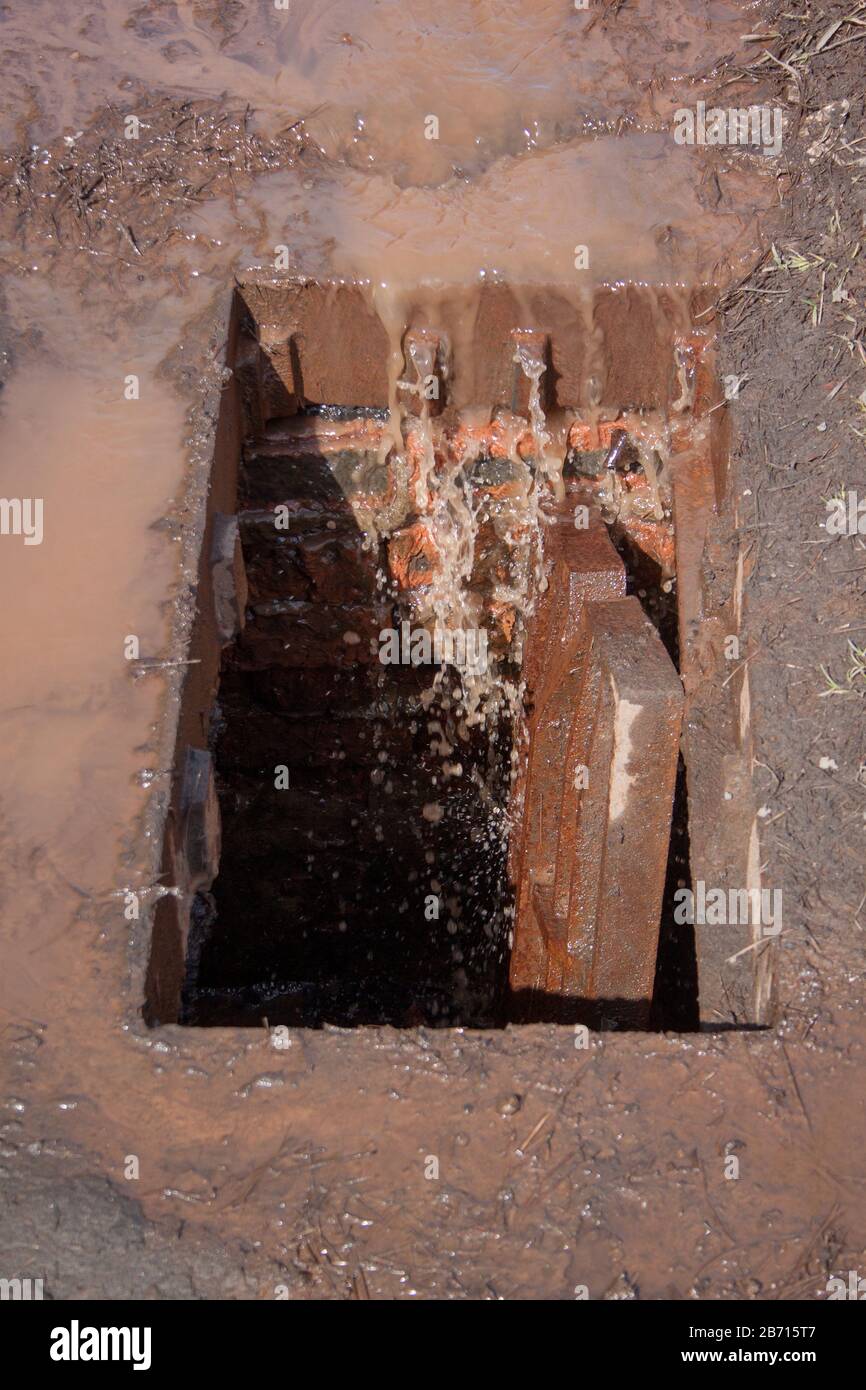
{"x": 794, "y": 336}
{"x": 309, "y": 1165}
{"x": 555, "y": 1171}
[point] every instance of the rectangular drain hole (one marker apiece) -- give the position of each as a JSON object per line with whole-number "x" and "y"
{"x": 429, "y": 767}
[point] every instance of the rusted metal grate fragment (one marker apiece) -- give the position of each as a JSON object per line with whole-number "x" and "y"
{"x": 590, "y": 863}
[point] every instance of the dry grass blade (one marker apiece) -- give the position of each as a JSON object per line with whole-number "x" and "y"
{"x": 828, "y": 34}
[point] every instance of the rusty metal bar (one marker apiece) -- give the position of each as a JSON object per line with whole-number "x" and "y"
{"x": 596, "y": 805}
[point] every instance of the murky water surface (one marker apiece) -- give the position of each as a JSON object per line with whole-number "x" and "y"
{"x": 501, "y": 76}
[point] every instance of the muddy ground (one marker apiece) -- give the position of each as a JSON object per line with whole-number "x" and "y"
{"x": 794, "y": 335}
{"x": 559, "y": 1169}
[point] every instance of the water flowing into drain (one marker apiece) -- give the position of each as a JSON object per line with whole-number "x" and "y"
{"x": 444, "y": 741}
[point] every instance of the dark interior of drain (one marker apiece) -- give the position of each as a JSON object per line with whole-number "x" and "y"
{"x": 358, "y": 881}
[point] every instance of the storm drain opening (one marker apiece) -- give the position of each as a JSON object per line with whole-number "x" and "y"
{"x": 433, "y": 765}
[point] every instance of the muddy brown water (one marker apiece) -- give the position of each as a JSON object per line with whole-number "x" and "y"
{"x": 230, "y": 1133}
{"x": 504, "y": 78}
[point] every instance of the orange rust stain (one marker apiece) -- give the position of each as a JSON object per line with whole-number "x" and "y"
{"x": 412, "y": 557}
